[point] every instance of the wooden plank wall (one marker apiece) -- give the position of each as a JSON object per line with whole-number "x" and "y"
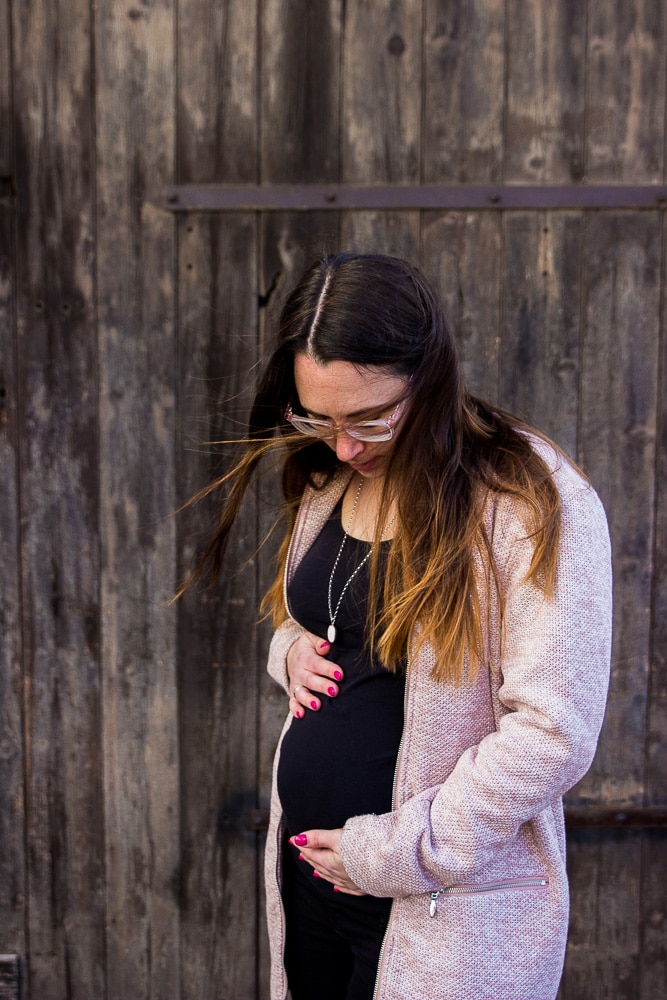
{"x": 136, "y": 737}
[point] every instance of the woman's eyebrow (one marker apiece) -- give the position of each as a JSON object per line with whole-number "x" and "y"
{"x": 366, "y": 412}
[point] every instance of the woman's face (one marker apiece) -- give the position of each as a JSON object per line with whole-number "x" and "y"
{"x": 346, "y": 394}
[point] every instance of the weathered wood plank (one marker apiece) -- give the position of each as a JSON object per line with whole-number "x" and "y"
{"x": 617, "y": 448}
{"x": 289, "y": 244}
{"x": 656, "y": 755}
{"x": 602, "y": 959}
{"x": 381, "y": 92}
{"x": 300, "y": 44}
{"x": 620, "y": 365}
{"x": 540, "y": 337}
{"x": 12, "y": 804}
{"x": 545, "y": 110}
{"x": 653, "y": 916}
{"x": 57, "y": 368}
{"x": 217, "y": 323}
{"x": 464, "y": 70}
{"x": 653, "y": 960}
{"x": 396, "y": 233}
{"x": 299, "y": 142}
{"x": 627, "y": 54}
{"x": 218, "y": 675}
{"x": 135, "y": 76}
{"x": 626, "y": 57}
{"x": 381, "y": 120}
{"x": 461, "y": 254}
{"x": 6, "y": 108}
{"x": 217, "y": 92}
{"x": 10, "y": 977}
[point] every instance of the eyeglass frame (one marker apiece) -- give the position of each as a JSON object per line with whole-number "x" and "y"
{"x": 387, "y": 422}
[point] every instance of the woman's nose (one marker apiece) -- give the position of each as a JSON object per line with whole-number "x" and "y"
{"x": 347, "y": 447}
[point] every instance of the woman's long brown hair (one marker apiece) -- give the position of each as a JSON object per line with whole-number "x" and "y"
{"x": 452, "y": 456}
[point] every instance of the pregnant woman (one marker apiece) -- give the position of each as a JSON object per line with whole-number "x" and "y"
{"x": 442, "y": 605}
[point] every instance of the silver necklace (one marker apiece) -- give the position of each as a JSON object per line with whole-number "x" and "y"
{"x": 333, "y": 612}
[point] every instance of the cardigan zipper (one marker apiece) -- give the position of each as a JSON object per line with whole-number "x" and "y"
{"x": 473, "y": 890}
{"x": 282, "y": 905}
{"x": 394, "y": 800}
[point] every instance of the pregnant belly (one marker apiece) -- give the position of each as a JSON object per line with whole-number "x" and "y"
{"x": 340, "y": 761}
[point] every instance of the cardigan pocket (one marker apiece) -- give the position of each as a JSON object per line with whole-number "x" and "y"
{"x": 483, "y": 887}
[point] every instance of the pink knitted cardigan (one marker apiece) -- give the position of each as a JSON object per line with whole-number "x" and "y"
{"x": 473, "y": 853}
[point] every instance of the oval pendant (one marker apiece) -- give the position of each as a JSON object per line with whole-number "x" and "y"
{"x": 331, "y": 633}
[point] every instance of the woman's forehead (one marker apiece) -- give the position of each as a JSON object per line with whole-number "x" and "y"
{"x": 341, "y": 389}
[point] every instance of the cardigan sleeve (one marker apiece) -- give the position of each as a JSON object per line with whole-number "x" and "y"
{"x": 283, "y": 638}
{"x": 554, "y": 676}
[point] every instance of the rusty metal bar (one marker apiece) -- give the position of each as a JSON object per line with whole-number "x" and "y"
{"x": 10, "y": 977}
{"x": 576, "y": 817}
{"x": 403, "y": 197}
{"x": 617, "y": 817}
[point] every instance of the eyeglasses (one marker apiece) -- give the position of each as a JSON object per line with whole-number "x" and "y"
{"x": 365, "y": 430}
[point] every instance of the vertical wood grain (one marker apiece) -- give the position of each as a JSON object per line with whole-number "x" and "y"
{"x": 461, "y": 254}
{"x": 464, "y": 73}
{"x": 602, "y": 960}
{"x": 289, "y": 243}
{"x": 653, "y": 959}
{"x": 6, "y": 108}
{"x": 394, "y": 233}
{"x": 544, "y": 115}
{"x": 381, "y": 119}
{"x": 618, "y": 447}
{"x": 300, "y": 62}
{"x": 217, "y": 107}
{"x": 462, "y": 141}
{"x": 12, "y": 804}
{"x": 539, "y": 362}
{"x": 217, "y": 628}
{"x": 57, "y": 364}
{"x": 627, "y": 53}
{"x": 135, "y": 276}
{"x": 653, "y": 916}
{"x": 218, "y": 124}
{"x": 381, "y": 89}
{"x": 627, "y": 56}
{"x": 622, "y": 271}
{"x": 300, "y": 90}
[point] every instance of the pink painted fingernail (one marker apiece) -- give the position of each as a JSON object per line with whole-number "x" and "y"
{"x": 332, "y": 692}
{"x": 337, "y": 675}
{"x": 314, "y": 705}
{"x": 299, "y": 714}
{"x": 316, "y": 875}
{"x": 301, "y": 857}
{"x": 301, "y": 840}
{"x": 336, "y": 889}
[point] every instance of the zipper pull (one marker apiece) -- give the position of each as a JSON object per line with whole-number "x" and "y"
{"x": 434, "y": 903}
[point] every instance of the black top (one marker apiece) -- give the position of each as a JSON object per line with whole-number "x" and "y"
{"x": 339, "y": 761}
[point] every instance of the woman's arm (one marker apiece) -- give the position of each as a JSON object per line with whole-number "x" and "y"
{"x": 555, "y": 667}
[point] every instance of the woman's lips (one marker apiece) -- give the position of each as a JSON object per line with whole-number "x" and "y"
{"x": 363, "y": 466}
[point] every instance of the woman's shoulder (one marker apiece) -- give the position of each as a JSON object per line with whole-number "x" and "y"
{"x": 580, "y": 505}
{"x": 574, "y": 488}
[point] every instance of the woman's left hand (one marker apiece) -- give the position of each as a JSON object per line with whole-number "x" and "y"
{"x": 321, "y": 849}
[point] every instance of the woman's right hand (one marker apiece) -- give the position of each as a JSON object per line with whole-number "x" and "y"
{"x": 310, "y": 674}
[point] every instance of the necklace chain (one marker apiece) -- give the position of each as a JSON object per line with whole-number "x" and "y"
{"x": 333, "y": 612}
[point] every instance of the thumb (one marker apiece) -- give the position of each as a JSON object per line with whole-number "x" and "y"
{"x": 318, "y": 840}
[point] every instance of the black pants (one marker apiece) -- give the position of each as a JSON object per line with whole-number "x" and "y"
{"x": 333, "y": 941}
